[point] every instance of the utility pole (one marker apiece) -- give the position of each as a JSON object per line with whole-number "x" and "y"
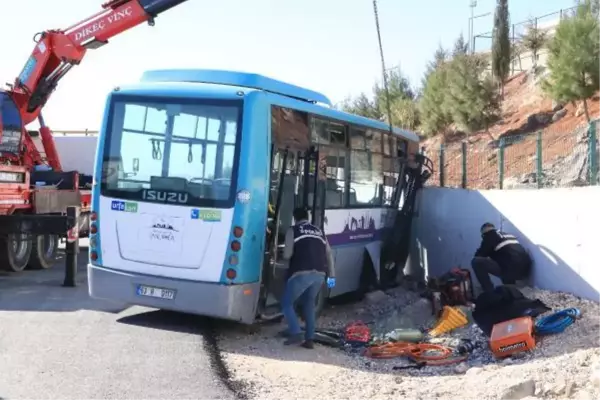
{"x": 472, "y": 5}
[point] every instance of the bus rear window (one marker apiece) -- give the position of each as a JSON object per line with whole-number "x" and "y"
{"x": 174, "y": 152}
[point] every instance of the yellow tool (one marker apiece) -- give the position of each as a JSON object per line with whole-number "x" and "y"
{"x": 451, "y": 318}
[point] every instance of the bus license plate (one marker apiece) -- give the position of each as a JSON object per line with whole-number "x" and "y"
{"x": 143, "y": 290}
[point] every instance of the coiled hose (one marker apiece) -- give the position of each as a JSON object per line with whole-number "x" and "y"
{"x": 557, "y": 322}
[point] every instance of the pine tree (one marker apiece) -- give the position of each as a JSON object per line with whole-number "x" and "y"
{"x": 461, "y": 47}
{"x": 574, "y": 57}
{"x": 439, "y": 57}
{"x": 405, "y": 114}
{"x": 401, "y": 100}
{"x": 361, "y": 105}
{"x": 501, "y": 43}
{"x": 432, "y": 104}
{"x": 398, "y": 86}
{"x": 468, "y": 98}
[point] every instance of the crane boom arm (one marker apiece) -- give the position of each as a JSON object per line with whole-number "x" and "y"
{"x": 57, "y": 51}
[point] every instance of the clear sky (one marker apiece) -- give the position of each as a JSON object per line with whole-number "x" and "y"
{"x": 326, "y": 45}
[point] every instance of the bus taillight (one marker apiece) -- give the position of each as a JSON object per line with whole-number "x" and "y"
{"x": 93, "y": 228}
{"x": 93, "y": 255}
{"x": 236, "y": 246}
{"x": 231, "y": 274}
{"x": 238, "y": 232}
{"x": 93, "y": 216}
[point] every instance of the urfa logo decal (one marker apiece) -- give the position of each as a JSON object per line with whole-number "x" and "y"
{"x": 165, "y": 197}
{"x": 126, "y": 206}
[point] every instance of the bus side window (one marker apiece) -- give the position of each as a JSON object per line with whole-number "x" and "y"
{"x": 365, "y": 178}
{"x": 333, "y": 173}
{"x": 365, "y": 167}
{"x": 391, "y": 167}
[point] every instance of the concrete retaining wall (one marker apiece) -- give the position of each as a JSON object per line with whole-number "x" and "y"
{"x": 560, "y": 228}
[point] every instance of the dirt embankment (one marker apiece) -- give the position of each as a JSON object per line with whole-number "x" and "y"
{"x": 525, "y": 113}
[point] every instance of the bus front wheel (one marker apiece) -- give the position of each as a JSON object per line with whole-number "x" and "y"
{"x": 44, "y": 252}
{"x": 15, "y": 252}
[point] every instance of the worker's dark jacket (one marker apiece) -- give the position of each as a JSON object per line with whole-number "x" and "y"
{"x": 310, "y": 253}
{"x": 506, "y": 250}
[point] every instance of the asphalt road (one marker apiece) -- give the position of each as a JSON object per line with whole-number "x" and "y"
{"x": 57, "y": 343}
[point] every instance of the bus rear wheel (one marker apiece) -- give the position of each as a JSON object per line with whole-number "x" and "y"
{"x": 15, "y": 252}
{"x": 44, "y": 252}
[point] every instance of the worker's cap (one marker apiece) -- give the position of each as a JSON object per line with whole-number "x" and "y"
{"x": 488, "y": 226}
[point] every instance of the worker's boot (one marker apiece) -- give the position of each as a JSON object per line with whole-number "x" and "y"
{"x": 294, "y": 339}
{"x": 308, "y": 344}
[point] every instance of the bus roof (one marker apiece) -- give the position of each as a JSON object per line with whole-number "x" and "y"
{"x": 231, "y": 81}
{"x": 232, "y": 78}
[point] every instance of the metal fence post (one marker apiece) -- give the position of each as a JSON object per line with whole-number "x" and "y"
{"x": 464, "y": 164}
{"x": 592, "y": 154}
{"x": 501, "y": 164}
{"x": 539, "y": 164}
{"x": 72, "y": 247}
{"x": 442, "y": 162}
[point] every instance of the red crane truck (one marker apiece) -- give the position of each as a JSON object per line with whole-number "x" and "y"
{"x": 34, "y": 189}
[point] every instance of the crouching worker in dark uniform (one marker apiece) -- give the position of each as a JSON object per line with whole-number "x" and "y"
{"x": 501, "y": 255}
{"x": 311, "y": 263}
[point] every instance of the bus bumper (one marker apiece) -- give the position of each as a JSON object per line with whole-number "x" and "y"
{"x": 231, "y": 302}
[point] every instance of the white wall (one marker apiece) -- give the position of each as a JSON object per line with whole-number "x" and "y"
{"x": 560, "y": 228}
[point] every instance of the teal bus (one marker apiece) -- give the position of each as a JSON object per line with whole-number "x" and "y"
{"x": 195, "y": 178}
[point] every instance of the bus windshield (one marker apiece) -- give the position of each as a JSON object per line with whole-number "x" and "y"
{"x": 174, "y": 152}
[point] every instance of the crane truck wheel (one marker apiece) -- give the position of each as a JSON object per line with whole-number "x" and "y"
{"x": 15, "y": 251}
{"x": 44, "y": 252}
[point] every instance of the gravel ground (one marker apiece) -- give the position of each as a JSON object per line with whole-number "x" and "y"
{"x": 566, "y": 365}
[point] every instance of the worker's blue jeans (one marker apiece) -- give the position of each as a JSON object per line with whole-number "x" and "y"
{"x": 304, "y": 288}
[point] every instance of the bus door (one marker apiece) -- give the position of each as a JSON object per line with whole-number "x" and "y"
{"x": 294, "y": 175}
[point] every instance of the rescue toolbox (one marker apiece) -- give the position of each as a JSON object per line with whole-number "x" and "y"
{"x": 513, "y": 336}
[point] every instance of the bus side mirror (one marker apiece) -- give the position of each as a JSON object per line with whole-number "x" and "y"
{"x": 136, "y": 165}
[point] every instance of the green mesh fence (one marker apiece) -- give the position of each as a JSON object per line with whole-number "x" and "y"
{"x": 548, "y": 158}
